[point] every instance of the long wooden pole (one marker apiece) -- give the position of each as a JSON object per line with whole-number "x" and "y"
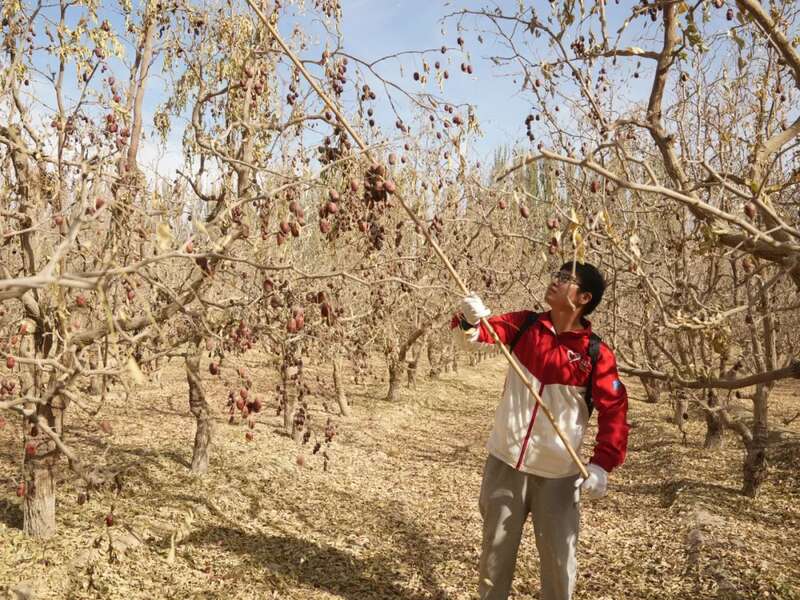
{"x": 420, "y": 227}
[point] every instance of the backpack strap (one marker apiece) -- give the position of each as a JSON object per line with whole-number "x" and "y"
{"x": 594, "y": 355}
{"x": 529, "y": 321}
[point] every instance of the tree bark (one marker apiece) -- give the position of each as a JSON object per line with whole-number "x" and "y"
{"x": 652, "y": 389}
{"x": 41, "y": 455}
{"x": 395, "y": 367}
{"x": 396, "y": 363}
{"x": 411, "y": 372}
{"x": 39, "y": 474}
{"x": 714, "y": 423}
{"x": 289, "y": 397}
{"x": 714, "y": 430}
{"x": 434, "y": 358}
{"x": 291, "y": 374}
{"x": 199, "y": 408}
{"x": 39, "y": 508}
{"x": 680, "y": 411}
{"x": 755, "y": 462}
{"x": 341, "y": 397}
{"x": 95, "y": 381}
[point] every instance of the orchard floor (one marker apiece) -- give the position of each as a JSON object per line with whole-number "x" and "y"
{"x": 395, "y": 515}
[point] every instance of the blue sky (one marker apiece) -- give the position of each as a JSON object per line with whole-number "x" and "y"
{"x": 374, "y": 28}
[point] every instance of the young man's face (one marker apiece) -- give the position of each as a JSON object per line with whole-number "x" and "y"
{"x": 563, "y": 293}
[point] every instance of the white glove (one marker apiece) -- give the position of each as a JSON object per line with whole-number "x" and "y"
{"x": 596, "y": 485}
{"x": 473, "y": 309}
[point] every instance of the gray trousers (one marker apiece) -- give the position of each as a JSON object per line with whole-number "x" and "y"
{"x": 507, "y": 497}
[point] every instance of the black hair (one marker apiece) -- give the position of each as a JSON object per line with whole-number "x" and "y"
{"x": 589, "y": 280}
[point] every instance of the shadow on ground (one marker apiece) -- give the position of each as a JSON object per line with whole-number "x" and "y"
{"x": 310, "y": 564}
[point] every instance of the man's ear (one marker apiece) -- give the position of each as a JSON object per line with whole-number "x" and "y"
{"x": 584, "y": 298}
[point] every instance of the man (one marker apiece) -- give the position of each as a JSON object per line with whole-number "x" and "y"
{"x": 528, "y": 469}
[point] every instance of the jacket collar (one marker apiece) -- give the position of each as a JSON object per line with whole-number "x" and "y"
{"x": 585, "y": 331}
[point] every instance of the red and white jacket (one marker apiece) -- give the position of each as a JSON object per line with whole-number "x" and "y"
{"x": 558, "y": 366}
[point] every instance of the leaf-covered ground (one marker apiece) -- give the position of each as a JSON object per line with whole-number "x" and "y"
{"x": 395, "y": 515}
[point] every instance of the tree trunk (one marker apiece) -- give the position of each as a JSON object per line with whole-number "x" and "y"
{"x": 411, "y": 373}
{"x": 289, "y": 397}
{"x": 397, "y": 362}
{"x": 714, "y": 430}
{"x": 41, "y": 456}
{"x": 411, "y": 367}
{"x": 394, "y": 380}
{"x": 199, "y": 408}
{"x": 341, "y": 397}
{"x": 680, "y": 411}
{"x": 434, "y": 358}
{"x": 359, "y": 365}
{"x": 291, "y": 375}
{"x": 714, "y": 424}
{"x": 96, "y": 381}
{"x": 652, "y": 389}
{"x": 39, "y": 507}
{"x": 288, "y": 405}
{"x": 755, "y": 462}
{"x": 39, "y": 470}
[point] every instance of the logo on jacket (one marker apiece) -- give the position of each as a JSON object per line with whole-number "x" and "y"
{"x": 584, "y": 362}
{"x": 616, "y": 385}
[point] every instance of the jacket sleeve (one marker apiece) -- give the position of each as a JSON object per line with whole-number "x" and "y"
{"x": 610, "y": 399}
{"x": 506, "y": 326}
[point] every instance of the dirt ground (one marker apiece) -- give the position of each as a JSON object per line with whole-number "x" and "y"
{"x": 395, "y": 515}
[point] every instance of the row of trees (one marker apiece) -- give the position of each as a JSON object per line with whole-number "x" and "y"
{"x": 276, "y": 235}
{"x": 279, "y": 237}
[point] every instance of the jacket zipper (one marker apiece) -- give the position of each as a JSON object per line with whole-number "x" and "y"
{"x": 530, "y": 428}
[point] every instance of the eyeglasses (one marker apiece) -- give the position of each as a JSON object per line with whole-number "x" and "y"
{"x": 563, "y": 277}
